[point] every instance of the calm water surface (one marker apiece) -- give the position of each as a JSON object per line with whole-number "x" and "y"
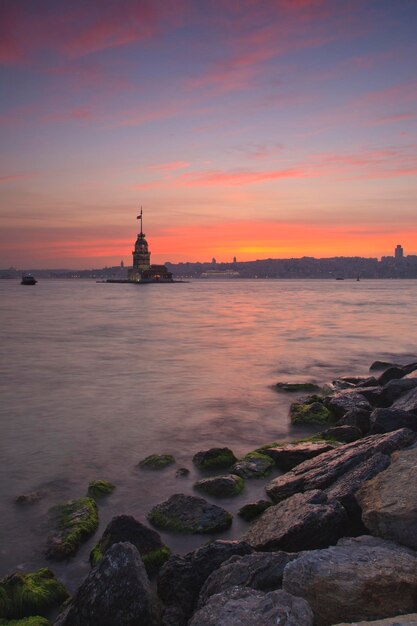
{"x": 95, "y": 377}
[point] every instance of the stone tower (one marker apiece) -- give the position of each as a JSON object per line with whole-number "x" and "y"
{"x": 141, "y": 255}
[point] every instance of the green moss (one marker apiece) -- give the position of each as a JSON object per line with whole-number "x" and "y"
{"x": 22, "y": 595}
{"x": 99, "y": 488}
{"x": 154, "y": 560}
{"x": 75, "y": 521}
{"x": 221, "y": 486}
{"x": 96, "y": 554}
{"x": 26, "y": 621}
{"x": 157, "y": 461}
{"x": 216, "y": 458}
{"x": 311, "y": 412}
{"x": 166, "y": 522}
{"x": 294, "y": 387}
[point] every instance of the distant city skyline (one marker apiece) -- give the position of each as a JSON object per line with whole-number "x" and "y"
{"x": 255, "y": 129}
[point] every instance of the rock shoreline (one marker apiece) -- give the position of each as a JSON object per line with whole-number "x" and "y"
{"x": 336, "y": 543}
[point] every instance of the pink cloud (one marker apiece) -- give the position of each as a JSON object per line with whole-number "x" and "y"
{"x": 235, "y": 177}
{"x": 11, "y": 178}
{"x": 79, "y": 114}
{"x": 170, "y": 167}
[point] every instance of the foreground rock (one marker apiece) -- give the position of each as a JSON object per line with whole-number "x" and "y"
{"x": 215, "y": 458}
{"x": 358, "y": 418}
{"x": 156, "y": 461}
{"x": 389, "y": 501}
{"x": 181, "y": 578}
{"x": 249, "y": 511}
{"x": 303, "y": 522}
{"x": 344, "y": 433}
{"x": 73, "y": 523}
{"x": 253, "y": 465}
{"x": 187, "y": 514}
{"x": 245, "y": 607}
{"x": 340, "y": 403}
{"x": 396, "y": 388}
{"x": 34, "y": 593}
{"x": 322, "y": 471}
{"x": 310, "y": 411}
{"x": 387, "y": 420}
{"x": 147, "y": 541}
{"x": 115, "y": 593}
{"x": 289, "y": 455}
{"x": 398, "y": 620}
{"x": 36, "y": 620}
{"x": 258, "y": 571}
{"x": 359, "y": 579}
{"x": 407, "y": 402}
{"x": 221, "y": 486}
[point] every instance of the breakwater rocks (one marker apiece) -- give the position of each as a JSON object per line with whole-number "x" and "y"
{"x": 335, "y": 543}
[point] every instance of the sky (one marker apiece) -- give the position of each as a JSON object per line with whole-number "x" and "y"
{"x": 248, "y": 128}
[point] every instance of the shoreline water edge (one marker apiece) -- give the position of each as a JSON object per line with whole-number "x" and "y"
{"x": 331, "y": 540}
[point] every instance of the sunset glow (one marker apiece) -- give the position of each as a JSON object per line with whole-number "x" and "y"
{"x": 254, "y": 129}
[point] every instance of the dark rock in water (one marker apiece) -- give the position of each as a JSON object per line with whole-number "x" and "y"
{"x": 115, "y": 593}
{"x": 359, "y": 579}
{"x": 262, "y": 571}
{"x": 407, "y": 402}
{"x": 187, "y": 514}
{"x": 345, "y": 488}
{"x": 322, "y": 471}
{"x": 343, "y": 433}
{"x": 387, "y": 420}
{"x": 221, "y": 486}
{"x": 73, "y": 523}
{"x": 215, "y": 458}
{"x": 33, "y": 593}
{"x": 373, "y": 394}
{"x": 382, "y": 365}
{"x": 182, "y": 472}
{"x": 100, "y": 488}
{"x": 253, "y": 465}
{"x": 29, "y": 498}
{"x": 297, "y": 387}
{"x": 410, "y": 368}
{"x": 289, "y": 455}
{"x": 358, "y": 418}
{"x": 392, "y": 373}
{"x": 250, "y": 511}
{"x": 240, "y": 606}
{"x": 156, "y": 461}
{"x": 342, "y": 402}
{"x": 397, "y": 620}
{"x": 303, "y": 522}
{"x": 370, "y": 381}
{"x": 181, "y": 578}
{"x": 394, "y": 389}
{"x": 389, "y": 501}
{"x": 310, "y": 411}
{"x": 147, "y": 541}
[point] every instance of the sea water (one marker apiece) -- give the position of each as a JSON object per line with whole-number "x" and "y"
{"x": 94, "y": 377}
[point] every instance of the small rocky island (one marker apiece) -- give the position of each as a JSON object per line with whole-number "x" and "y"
{"x": 331, "y": 541}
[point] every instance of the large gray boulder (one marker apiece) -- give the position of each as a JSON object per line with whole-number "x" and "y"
{"x": 407, "y": 402}
{"x": 359, "y": 579}
{"x": 344, "y": 433}
{"x": 389, "y": 501}
{"x": 397, "y": 388}
{"x": 181, "y": 577}
{"x": 115, "y": 593}
{"x": 241, "y": 606}
{"x": 392, "y": 373}
{"x": 261, "y": 571}
{"x": 324, "y": 470}
{"x": 387, "y": 420}
{"x": 187, "y": 514}
{"x": 398, "y": 620}
{"x": 289, "y": 455}
{"x": 345, "y": 488}
{"x": 342, "y": 402}
{"x": 303, "y": 522}
{"x": 358, "y": 418}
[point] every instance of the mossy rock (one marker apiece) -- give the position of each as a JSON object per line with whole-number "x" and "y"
{"x": 188, "y": 514}
{"x": 297, "y": 387}
{"x": 126, "y": 528}
{"x": 215, "y": 458}
{"x": 221, "y": 486}
{"x": 26, "y": 621}
{"x": 253, "y": 465}
{"x": 156, "y": 461}
{"x": 74, "y": 522}
{"x": 312, "y": 411}
{"x": 100, "y": 488}
{"x": 36, "y": 593}
{"x": 250, "y": 511}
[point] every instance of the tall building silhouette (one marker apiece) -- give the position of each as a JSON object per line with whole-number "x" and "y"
{"x": 399, "y": 253}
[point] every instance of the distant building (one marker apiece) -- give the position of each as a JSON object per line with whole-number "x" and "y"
{"x": 234, "y": 260}
{"x": 142, "y": 269}
{"x": 399, "y": 253}
{"x": 122, "y": 264}
{"x": 213, "y": 261}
